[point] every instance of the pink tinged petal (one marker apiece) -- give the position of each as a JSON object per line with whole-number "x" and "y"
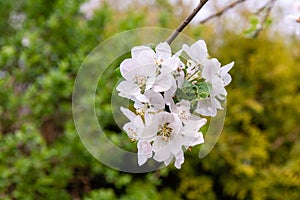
{"x": 176, "y": 124}
{"x": 168, "y": 98}
{"x": 216, "y": 103}
{"x": 170, "y": 65}
{"x": 173, "y": 88}
{"x": 198, "y": 52}
{"x": 163, "y": 83}
{"x": 226, "y": 68}
{"x": 189, "y": 51}
{"x": 136, "y": 51}
{"x": 176, "y": 144}
{"x": 224, "y": 73}
{"x": 198, "y": 140}
{"x": 155, "y": 99}
{"x": 141, "y": 98}
{"x": 138, "y": 121}
{"x": 149, "y": 132}
{"x": 141, "y": 71}
{"x": 144, "y": 151}
{"x": 211, "y": 69}
{"x": 179, "y": 159}
{"x": 201, "y": 44}
{"x": 148, "y": 118}
{"x": 150, "y": 82}
{"x": 128, "y": 113}
{"x": 179, "y": 80}
{"x": 127, "y": 89}
{"x": 147, "y": 57}
{"x": 163, "y": 51}
{"x": 206, "y": 108}
{"x": 168, "y": 161}
{"x": 131, "y": 130}
{"x": 127, "y": 65}
{"x": 193, "y": 125}
{"x": 182, "y": 108}
{"x": 162, "y": 155}
{"x": 193, "y": 141}
{"x": 219, "y": 91}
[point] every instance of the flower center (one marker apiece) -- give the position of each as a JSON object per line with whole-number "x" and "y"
{"x": 165, "y": 131}
{"x": 141, "y": 81}
{"x": 131, "y": 133}
{"x": 158, "y": 61}
{"x": 183, "y": 115}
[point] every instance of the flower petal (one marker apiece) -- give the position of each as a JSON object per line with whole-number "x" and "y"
{"x": 162, "y": 155}
{"x": 206, "y": 108}
{"x": 163, "y": 51}
{"x": 136, "y": 51}
{"x": 211, "y": 69}
{"x": 224, "y": 73}
{"x": 155, "y": 99}
{"x": 163, "y": 83}
{"x": 128, "y": 113}
{"x": 127, "y": 89}
{"x": 127, "y": 65}
{"x": 144, "y": 151}
{"x": 179, "y": 159}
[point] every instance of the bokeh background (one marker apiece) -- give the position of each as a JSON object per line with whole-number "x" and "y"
{"x": 42, "y": 45}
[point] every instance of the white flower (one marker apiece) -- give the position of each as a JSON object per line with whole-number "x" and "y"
{"x": 135, "y": 127}
{"x": 166, "y": 64}
{"x": 208, "y": 106}
{"x": 294, "y": 22}
{"x": 162, "y": 128}
{"x": 218, "y": 78}
{"x": 191, "y": 131}
{"x": 197, "y": 52}
{"x": 161, "y": 57}
{"x": 164, "y": 131}
{"x": 144, "y": 151}
{"x": 182, "y": 109}
{"x": 138, "y": 79}
{"x": 148, "y": 70}
{"x": 154, "y": 104}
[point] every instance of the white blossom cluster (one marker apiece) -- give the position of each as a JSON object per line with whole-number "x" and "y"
{"x": 170, "y": 97}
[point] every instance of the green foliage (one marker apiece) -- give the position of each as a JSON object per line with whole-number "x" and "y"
{"x": 42, "y": 45}
{"x": 30, "y": 170}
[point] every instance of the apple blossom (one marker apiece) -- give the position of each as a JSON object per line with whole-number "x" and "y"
{"x": 170, "y": 97}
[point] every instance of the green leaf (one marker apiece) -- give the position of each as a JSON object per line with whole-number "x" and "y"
{"x": 118, "y": 72}
{"x": 193, "y": 92}
{"x": 203, "y": 89}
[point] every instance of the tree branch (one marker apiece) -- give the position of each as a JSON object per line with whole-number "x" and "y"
{"x": 265, "y": 18}
{"x": 172, "y": 37}
{"x": 221, "y": 12}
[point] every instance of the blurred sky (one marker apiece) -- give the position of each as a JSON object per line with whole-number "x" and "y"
{"x": 281, "y": 9}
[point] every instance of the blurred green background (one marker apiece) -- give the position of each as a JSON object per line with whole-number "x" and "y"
{"x": 42, "y": 45}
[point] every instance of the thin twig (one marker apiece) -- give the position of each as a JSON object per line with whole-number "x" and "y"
{"x": 265, "y": 18}
{"x": 221, "y": 12}
{"x": 262, "y": 8}
{"x": 172, "y": 37}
